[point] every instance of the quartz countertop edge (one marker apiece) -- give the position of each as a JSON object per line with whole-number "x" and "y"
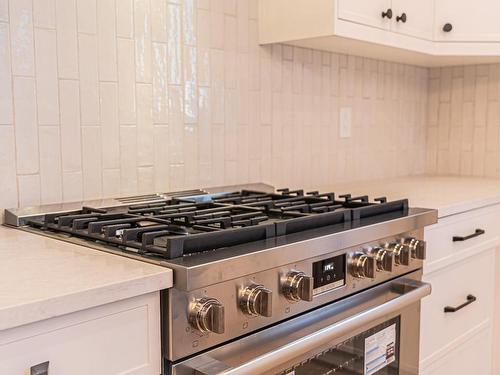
{"x": 42, "y": 278}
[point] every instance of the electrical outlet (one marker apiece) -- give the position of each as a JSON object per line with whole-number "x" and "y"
{"x": 345, "y": 122}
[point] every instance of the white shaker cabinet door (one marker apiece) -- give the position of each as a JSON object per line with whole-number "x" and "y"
{"x": 414, "y": 18}
{"x": 467, "y": 21}
{"x": 365, "y": 12}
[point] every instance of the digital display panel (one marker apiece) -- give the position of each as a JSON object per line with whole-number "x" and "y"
{"x": 329, "y": 273}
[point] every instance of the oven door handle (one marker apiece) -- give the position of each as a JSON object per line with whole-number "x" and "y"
{"x": 411, "y": 292}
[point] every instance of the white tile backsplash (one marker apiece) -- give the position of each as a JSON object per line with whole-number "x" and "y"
{"x": 47, "y": 95}
{"x": 119, "y": 97}
{"x": 6, "y": 110}
{"x": 67, "y": 40}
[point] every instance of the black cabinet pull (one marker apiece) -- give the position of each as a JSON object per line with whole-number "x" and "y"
{"x": 447, "y": 27}
{"x": 477, "y": 233}
{"x": 401, "y": 18}
{"x": 470, "y": 299}
{"x": 387, "y": 14}
{"x": 40, "y": 369}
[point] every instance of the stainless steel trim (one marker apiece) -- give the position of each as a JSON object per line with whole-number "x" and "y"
{"x": 412, "y": 291}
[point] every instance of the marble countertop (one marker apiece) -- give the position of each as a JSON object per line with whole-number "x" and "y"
{"x": 41, "y": 278}
{"x": 449, "y": 195}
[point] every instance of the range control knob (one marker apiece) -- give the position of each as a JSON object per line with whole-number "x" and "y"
{"x": 298, "y": 287}
{"x": 207, "y": 315}
{"x": 384, "y": 259}
{"x": 362, "y": 266}
{"x": 256, "y": 300}
{"x": 402, "y": 254}
{"x": 417, "y": 248}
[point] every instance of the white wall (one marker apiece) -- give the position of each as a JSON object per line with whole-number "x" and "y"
{"x": 116, "y": 97}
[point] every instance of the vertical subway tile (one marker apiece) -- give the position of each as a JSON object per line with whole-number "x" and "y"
{"x": 126, "y": 81}
{"x": 46, "y": 77}
{"x": 72, "y": 186}
{"x": 89, "y": 90}
{"x": 142, "y": 35}
{"x": 92, "y": 162}
{"x": 128, "y": 159}
{"x": 145, "y": 178}
{"x": 67, "y": 41}
{"x": 161, "y": 155}
{"x": 106, "y": 33}
{"x": 160, "y": 92}
{"x": 50, "y": 164}
{"x": 6, "y": 109}
{"x": 189, "y": 22}
{"x": 125, "y": 18}
{"x": 26, "y": 125}
{"x": 71, "y": 150}
{"x": 481, "y": 101}
{"x": 174, "y": 44}
{"x": 190, "y": 85}
{"x": 176, "y": 125}
{"x": 44, "y": 13}
{"x": 86, "y": 13}
{"x": 21, "y": 37}
{"x": 111, "y": 183}
{"x": 110, "y": 127}
{"x": 29, "y": 190}
{"x": 159, "y": 21}
{"x": 8, "y": 183}
{"x": 145, "y": 131}
{"x": 4, "y": 10}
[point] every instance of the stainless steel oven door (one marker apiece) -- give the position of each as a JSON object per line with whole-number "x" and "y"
{"x": 373, "y": 332}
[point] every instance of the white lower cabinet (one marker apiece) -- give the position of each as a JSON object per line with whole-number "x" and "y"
{"x": 463, "y": 277}
{"x": 122, "y": 338}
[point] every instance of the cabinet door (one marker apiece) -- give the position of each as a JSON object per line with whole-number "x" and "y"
{"x": 419, "y": 18}
{"x": 365, "y": 12}
{"x": 471, "y": 21}
{"x": 471, "y": 357}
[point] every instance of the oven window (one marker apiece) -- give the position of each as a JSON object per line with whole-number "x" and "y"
{"x": 373, "y": 352}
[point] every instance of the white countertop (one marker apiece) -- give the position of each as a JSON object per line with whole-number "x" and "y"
{"x": 42, "y": 278}
{"x": 449, "y": 195}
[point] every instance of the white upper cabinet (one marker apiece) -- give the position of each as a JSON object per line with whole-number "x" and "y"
{"x": 371, "y": 13}
{"x": 465, "y": 21}
{"x": 417, "y": 32}
{"x": 414, "y": 18}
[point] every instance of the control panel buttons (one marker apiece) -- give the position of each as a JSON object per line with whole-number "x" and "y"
{"x": 417, "y": 248}
{"x": 255, "y": 300}
{"x": 384, "y": 259}
{"x": 402, "y": 254}
{"x": 207, "y": 315}
{"x": 362, "y": 266}
{"x": 299, "y": 287}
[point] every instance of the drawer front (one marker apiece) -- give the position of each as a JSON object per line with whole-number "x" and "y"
{"x": 439, "y": 237}
{"x": 121, "y": 338}
{"x": 450, "y": 288}
{"x": 471, "y": 357}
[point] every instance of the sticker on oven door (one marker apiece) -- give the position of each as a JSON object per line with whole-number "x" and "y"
{"x": 380, "y": 350}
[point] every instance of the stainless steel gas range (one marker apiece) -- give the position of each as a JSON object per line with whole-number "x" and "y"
{"x": 267, "y": 282}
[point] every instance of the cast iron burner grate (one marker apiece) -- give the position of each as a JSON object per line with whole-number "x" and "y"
{"x": 180, "y": 227}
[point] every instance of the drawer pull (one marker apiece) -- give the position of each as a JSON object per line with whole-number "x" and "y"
{"x": 40, "y": 369}
{"x": 470, "y": 299}
{"x": 477, "y": 233}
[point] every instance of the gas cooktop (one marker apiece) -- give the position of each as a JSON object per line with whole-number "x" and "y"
{"x": 175, "y": 225}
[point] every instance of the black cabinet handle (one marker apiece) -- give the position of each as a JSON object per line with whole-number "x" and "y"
{"x": 447, "y": 27}
{"x": 401, "y": 18}
{"x": 477, "y": 233}
{"x": 470, "y": 299}
{"x": 387, "y": 14}
{"x": 40, "y": 369}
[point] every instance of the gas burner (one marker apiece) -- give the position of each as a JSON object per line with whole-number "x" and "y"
{"x": 176, "y": 227}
